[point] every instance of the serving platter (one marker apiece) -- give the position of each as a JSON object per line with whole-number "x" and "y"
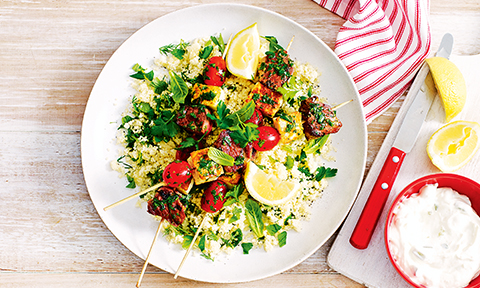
{"x": 134, "y": 227}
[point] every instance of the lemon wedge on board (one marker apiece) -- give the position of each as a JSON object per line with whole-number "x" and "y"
{"x": 453, "y": 145}
{"x": 450, "y": 85}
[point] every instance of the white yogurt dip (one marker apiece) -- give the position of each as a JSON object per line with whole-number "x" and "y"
{"x": 435, "y": 238}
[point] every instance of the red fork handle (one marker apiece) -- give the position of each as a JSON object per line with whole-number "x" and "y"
{"x": 376, "y": 201}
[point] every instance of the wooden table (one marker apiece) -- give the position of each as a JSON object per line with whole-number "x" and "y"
{"x": 51, "y": 53}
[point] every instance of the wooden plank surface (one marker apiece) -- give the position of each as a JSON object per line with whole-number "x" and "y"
{"x": 51, "y": 53}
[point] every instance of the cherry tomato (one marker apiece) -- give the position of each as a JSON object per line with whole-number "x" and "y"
{"x": 215, "y": 71}
{"x": 268, "y": 138}
{"x": 257, "y": 118}
{"x": 214, "y": 196}
{"x": 177, "y": 173}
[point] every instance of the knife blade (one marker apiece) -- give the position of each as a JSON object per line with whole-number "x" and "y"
{"x": 404, "y": 141}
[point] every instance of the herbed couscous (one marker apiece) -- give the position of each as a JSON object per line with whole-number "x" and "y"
{"x": 154, "y": 134}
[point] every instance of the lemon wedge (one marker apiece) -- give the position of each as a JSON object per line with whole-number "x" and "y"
{"x": 450, "y": 85}
{"x": 453, "y": 145}
{"x": 267, "y": 188}
{"x": 242, "y": 53}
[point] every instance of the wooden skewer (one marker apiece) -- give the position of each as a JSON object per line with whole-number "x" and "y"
{"x": 148, "y": 255}
{"x": 290, "y": 43}
{"x": 342, "y": 104}
{"x": 135, "y": 195}
{"x": 190, "y": 247}
{"x": 227, "y": 46}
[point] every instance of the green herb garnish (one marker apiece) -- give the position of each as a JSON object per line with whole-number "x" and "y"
{"x": 289, "y": 163}
{"x": 282, "y": 239}
{"x": 323, "y": 172}
{"x": 274, "y": 46}
{"x": 254, "y": 217}
{"x": 178, "y": 87}
{"x": 176, "y": 50}
{"x": 273, "y": 229}
{"x": 206, "y": 51}
{"x": 234, "y": 193}
{"x": 247, "y": 247}
{"x": 220, "y": 157}
{"x": 314, "y": 145}
{"x": 219, "y": 42}
{"x": 289, "y": 89}
{"x": 141, "y": 74}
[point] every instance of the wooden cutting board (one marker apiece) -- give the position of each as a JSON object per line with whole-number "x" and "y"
{"x": 371, "y": 266}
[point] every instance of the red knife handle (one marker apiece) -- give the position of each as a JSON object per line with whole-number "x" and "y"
{"x": 376, "y": 201}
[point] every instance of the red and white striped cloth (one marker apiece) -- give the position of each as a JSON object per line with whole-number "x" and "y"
{"x": 383, "y": 43}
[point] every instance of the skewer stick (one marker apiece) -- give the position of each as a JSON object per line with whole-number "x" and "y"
{"x": 190, "y": 247}
{"x": 290, "y": 43}
{"x": 227, "y": 46}
{"x": 342, "y": 104}
{"x": 148, "y": 255}
{"x": 135, "y": 195}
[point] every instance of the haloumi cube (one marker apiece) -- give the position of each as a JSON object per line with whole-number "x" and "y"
{"x": 231, "y": 179}
{"x": 289, "y": 126}
{"x": 266, "y": 100}
{"x": 204, "y": 169}
{"x": 208, "y": 95}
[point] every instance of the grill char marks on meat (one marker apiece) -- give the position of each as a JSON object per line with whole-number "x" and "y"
{"x": 226, "y": 144}
{"x": 166, "y": 204}
{"x": 318, "y": 118}
{"x": 275, "y": 69}
{"x": 194, "y": 120}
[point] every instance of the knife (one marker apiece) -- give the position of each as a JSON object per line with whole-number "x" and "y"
{"x": 404, "y": 141}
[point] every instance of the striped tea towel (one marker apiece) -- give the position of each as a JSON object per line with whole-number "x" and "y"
{"x": 383, "y": 43}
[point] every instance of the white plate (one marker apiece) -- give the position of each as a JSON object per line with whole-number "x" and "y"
{"x": 109, "y": 97}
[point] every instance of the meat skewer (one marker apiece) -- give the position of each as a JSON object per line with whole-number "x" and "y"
{"x": 212, "y": 201}
{"x": 167, "y": 201}
{"x": 182, "y": 180}
{"x": 166, "y": 204}
{"x": 318, "y": 118}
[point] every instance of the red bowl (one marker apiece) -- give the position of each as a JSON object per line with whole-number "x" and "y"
{"x": 461, "y": 184}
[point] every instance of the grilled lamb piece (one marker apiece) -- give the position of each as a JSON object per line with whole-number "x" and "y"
{"x": 226, "y": 144}
{"x": 166, "y": 204}
{"x": 318, "y": 118}
{"x": 275, "y": 69}
{"x": 194, "y": 120}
